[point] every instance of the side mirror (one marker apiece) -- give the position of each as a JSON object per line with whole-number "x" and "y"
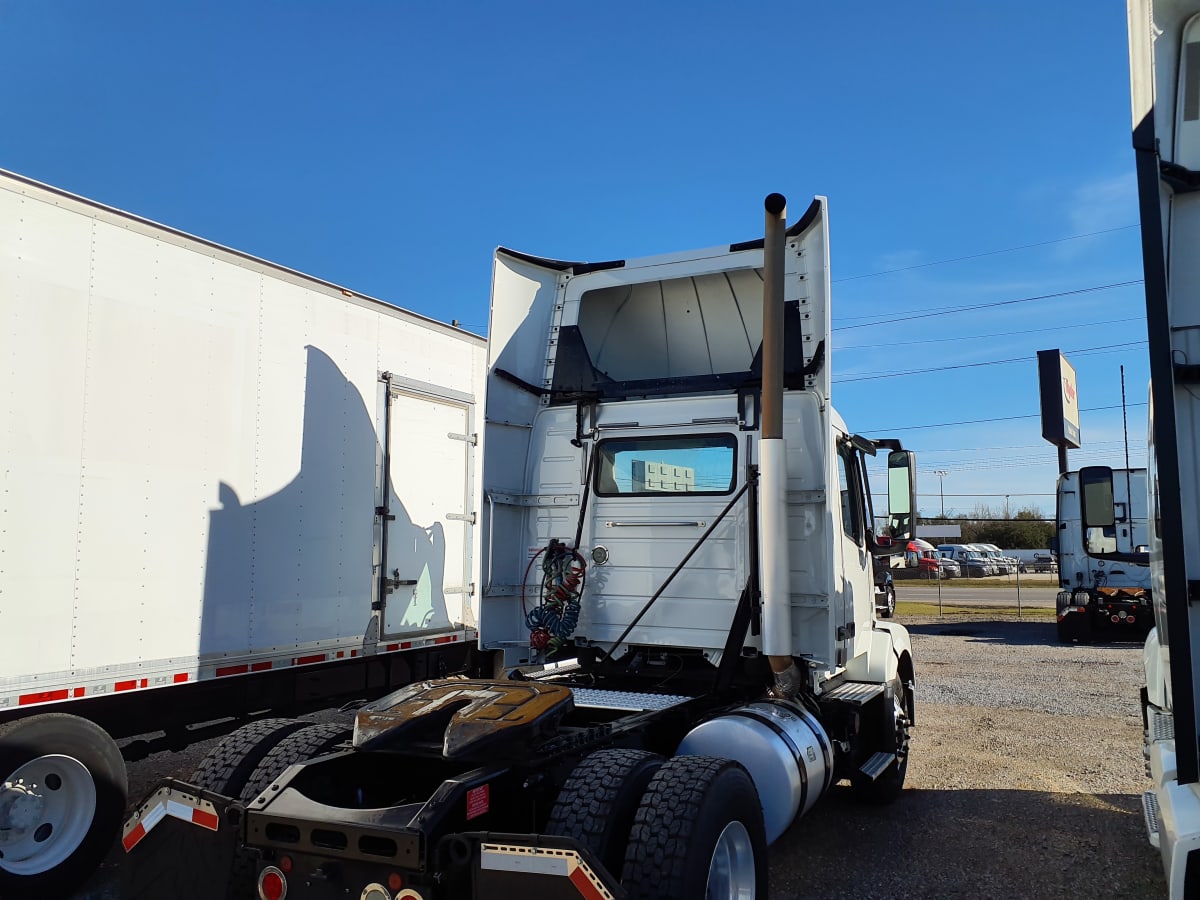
{"x": 902, "y": 494}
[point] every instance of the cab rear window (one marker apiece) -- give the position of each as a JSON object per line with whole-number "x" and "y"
{"x": 684, "y": 466}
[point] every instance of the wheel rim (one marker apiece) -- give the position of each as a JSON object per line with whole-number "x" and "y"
{"x": 46, "y": 809}
{"x": 731, "y": 874}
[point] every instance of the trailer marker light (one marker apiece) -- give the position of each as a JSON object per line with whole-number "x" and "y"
{"x": 395, "y": 882}
{"x": 285, "y": 864}
{"x": 271, "y": 884}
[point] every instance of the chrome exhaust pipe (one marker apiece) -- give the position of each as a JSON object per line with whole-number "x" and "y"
{"x": 772, "y": 461}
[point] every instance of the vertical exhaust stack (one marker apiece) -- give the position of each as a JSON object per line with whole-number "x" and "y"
{"x": 772, "y": 461}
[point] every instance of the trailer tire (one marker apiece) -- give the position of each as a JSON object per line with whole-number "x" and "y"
{"x": 67, "y": 778}
{"x": 698, "y": 832}
{"x": 597, "y": 802}
{"x": 228, "y": 766}
{"x": 890, "y": 783}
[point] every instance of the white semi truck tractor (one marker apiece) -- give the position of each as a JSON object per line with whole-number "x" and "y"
{"x": 677, "y": 598}
{"x": 1164, "y": 55}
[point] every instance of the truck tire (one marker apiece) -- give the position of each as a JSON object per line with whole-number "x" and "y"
{"x": 228, "y": 766}
{"x": 62, "y": 797}
{"x": 698, "y": 832}
{"x": 889, "y": 608}
{"x": 890, "y": 783}
{"x": 307, "y": 742}
{"x": 598, "y": 800}
{"x": 296, "y": 747}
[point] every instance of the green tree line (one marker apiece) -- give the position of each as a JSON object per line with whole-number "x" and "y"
{"x": 1023, "y": 528}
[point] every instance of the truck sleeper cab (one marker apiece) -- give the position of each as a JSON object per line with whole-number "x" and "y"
{"x": 678, "y": 596}
{"x": 1104, "y": 578}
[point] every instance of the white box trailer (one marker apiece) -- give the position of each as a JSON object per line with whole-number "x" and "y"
{"x": 224, "y": 486}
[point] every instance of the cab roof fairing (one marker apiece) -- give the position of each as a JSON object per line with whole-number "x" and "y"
{"x": 671, "y": 316}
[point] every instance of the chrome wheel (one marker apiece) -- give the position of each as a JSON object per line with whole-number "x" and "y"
{"x": 731, "y": 874}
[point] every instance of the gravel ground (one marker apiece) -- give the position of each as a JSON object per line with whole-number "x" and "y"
{"x": 1025, "y": 780}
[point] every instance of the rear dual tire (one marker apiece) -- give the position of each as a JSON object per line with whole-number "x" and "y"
{"x": 698, "y": 832}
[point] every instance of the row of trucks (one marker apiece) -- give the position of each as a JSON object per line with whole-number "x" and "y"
{"x": 600, "y": 588}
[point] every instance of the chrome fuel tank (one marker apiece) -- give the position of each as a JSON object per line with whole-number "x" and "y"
{"x": 783, "y": 747}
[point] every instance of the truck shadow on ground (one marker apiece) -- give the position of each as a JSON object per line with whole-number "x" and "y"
{"x": 1012, "y": 633}
{"x": 968, "y": 843}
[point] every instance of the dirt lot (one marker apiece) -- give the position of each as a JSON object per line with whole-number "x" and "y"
{"x": 1025, "y": 780}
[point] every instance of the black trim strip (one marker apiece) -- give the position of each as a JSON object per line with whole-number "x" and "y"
{"x": 559, "y": 265}
{"x": 1158, "y": 333}
{"x": 800, "y": 227}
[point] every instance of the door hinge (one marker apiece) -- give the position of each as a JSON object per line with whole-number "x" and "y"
{"x": 462, "y": 517}
{"x": 382, "y": 512}
{"x": 472, "y": 439}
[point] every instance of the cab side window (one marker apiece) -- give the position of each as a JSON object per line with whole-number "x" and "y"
{"x": 852, "y": 517}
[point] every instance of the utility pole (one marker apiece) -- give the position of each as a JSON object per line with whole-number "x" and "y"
{"x": 941, "y": 473}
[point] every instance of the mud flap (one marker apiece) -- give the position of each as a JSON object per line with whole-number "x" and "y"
{"x": 180, "y": 843}
{"x": 536, "y": 865}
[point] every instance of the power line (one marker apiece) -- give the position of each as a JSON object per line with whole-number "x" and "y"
{"x": 872, "y": 376}
{"x": 973, "y": 337}
{"x": 984, "y": 421}
{"x": 949, "y": 310}
{"x": 942, "y": 262}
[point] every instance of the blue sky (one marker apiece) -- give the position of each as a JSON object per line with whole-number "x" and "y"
{"x": 390, "y": 147}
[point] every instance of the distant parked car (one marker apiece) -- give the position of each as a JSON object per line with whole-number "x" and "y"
{"x": 974, "y": 563}
{"x": 885, "y": 589}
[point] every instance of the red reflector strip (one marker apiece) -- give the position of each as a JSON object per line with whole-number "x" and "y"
{"x": 180, "y": 677}
{"x": 125, "y": 685}
{"x": 188, "y": 813}
{"x": 306, "y": 660}
{"x": 78, "y": 692}
{"x": 261, "y": 666}
{"x": 232, "y": 670}
{"x": 446, "y": 639}
{"x": 391, "y": 647}
{"x": 583, "y": 882}
{"x": 42, "y": 697}
{"x": 130, "y": 840}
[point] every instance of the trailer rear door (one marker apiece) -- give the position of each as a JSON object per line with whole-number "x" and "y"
{"x": 425, "y": 544}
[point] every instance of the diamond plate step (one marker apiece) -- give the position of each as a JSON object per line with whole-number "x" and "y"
{"x": 1161, "y": 726}
{"x": 855, "y": 692}
{"x": 875, "y": 766}
{"x": 1150, "y": 811}
{"x": 630, "y": 701}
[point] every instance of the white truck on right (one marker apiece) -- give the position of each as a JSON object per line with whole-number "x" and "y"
{"x": 1164, "y": 53}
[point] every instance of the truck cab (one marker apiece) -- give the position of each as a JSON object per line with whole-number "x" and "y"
{"x": 677, "y": 611}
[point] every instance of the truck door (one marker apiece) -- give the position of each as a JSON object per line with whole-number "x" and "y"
{"x": 854, "y": 601}
{"x": 425, "y": 503}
